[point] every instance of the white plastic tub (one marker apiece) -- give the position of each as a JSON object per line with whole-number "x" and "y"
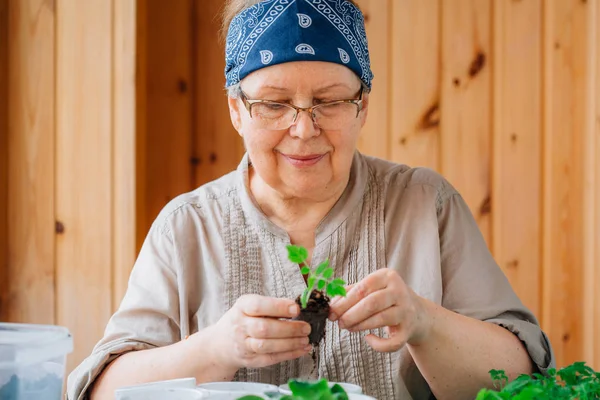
{"x": 33, "y": 361}
{"x": 174, "y": 389}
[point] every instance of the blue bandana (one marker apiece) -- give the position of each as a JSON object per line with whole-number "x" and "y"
{"x": 278, "y": 31}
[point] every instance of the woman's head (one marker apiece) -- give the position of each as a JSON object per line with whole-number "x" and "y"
{"x": 234, "y": 7}
{"x": 286, "y": 54}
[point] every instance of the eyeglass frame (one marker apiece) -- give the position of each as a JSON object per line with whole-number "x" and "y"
{"x": 248, "y": 103}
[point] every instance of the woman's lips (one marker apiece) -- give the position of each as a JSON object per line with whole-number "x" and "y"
{"x": 303, "y": 161}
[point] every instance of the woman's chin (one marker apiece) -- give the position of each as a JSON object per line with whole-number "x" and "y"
{"x": 307, "y": 190}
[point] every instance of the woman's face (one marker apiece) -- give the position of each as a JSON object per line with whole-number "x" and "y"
{"x": 303, "y": 161}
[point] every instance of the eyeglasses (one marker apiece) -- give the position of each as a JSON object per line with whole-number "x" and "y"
{"x": 280, "y": 116}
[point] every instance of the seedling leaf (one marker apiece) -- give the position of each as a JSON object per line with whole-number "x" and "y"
{"x": 576, "y": 381}
{"x": 297, "y": 254}
{"x": 322, "y": 267}
{"x": 321, "y": 284}
{"x": 328, "y": 273}
{"x": 331, "y": 290}
{"x": 305, "y": 270}
{"x": 339, "y": 291}
{"x": 338, "y": 281}
{"x": 315, "y": 391}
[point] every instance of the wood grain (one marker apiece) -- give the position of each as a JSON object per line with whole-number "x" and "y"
{"x": 4, "y": 284}
{"x": 415, "y": 83}
{"x": 31, "y": 180}
{"x": 374, "y": 138}
{"x": 169, "y": 92}
{"x": 466, "y": 104}
{"x": 565, "y": 72}
{"x": 592, "y": 193}
{"x": 124, "y": 142}
{"x": 217, "y": 146}
{"x": 596, "y": 233}
{"x": 141, "y": 95}
{"x": 517, "y": 145}
{"x": 84, "y": 189}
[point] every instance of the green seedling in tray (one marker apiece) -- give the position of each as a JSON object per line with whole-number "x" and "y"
{"x": 576, "y": 381}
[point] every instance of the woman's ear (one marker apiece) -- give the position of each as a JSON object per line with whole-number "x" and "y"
{"x": 234, "y": 113}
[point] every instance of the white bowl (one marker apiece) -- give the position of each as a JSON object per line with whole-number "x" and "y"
{"x": 350, "y": 388}
{"x": 158, "y": 393}
{"x": 358, "y": 396}
{"x": 238, "y": 388}
{"x": 145, "y": 389}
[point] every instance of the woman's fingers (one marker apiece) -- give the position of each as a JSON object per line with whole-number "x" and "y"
{"x": 387, "y": 317}
{"x": 265, "y": 360}
{"x": 259, "y": 306}
{"x": 268, "y": 346}
{"x": 338, "y": 298}
{"x": 372, "y": 283}
{"x": 384, "y": 345}
{"x": 267, "y": 328}
{"x": 368, "y": 307}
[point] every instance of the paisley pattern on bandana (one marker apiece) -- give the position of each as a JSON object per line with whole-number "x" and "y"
{"x": 278, "y": 31}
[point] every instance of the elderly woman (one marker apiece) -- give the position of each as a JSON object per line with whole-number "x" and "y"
{"x": 428, "y": 312}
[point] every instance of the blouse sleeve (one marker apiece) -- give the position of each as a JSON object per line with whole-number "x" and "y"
{"x": 148, "y": 316}
{"x": 475, "y": 286}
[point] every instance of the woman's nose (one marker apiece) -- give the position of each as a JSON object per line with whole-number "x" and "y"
{"x": 304, "y": 127}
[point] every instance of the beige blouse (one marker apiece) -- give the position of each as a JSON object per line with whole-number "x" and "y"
{"x": 210, "y": 246}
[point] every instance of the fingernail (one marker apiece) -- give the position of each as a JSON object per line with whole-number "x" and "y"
{"x": 308, "y": 348}
{"x": 342, "y": 325}
{"x": 333, "y": 317}
{"x": 293, "y": 310}
{"x": 306, "y": 330}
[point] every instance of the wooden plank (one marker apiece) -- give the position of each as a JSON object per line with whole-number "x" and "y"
{"x": 466, "y": 104}
{"x": 517, "y": 141}
{"x": 4, "y": 284}
{"x": 566, "y": 79}
{"x": 83, "y": 170}
{"x": 415, "y": 82}
{"x": 375, "y": 136}
{"x": 31, "y": 292}
{"x": 141, "y": 96}
{"x": 124, "y": 142}
{"x": 592, "y": 193}
{"x": 169, "y": 87}
{"x": 596, "y": 234}
{"x": 216, "y": 143}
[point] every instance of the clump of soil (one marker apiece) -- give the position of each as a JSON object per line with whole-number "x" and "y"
{"x": 315, "y": 313}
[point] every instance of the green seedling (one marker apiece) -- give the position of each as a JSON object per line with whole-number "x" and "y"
{"x": 301, "y": 390}
{"x": 576, "y": 381}
{"x": 319, "y": 278}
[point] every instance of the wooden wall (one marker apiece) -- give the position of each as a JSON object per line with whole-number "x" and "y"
{"x": 501, "y": 97}
{"x": 109, "y": 109}
{"x": 183, "y": 116}
{"x": 3, "y": 151}
{"x": 67, "y": 162}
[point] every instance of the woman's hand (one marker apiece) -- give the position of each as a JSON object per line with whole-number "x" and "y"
{"x": 252, "y": 335}
{"x": 383, "y": 300}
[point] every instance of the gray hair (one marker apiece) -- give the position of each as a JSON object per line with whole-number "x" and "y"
{"x": 234, "y": 91}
